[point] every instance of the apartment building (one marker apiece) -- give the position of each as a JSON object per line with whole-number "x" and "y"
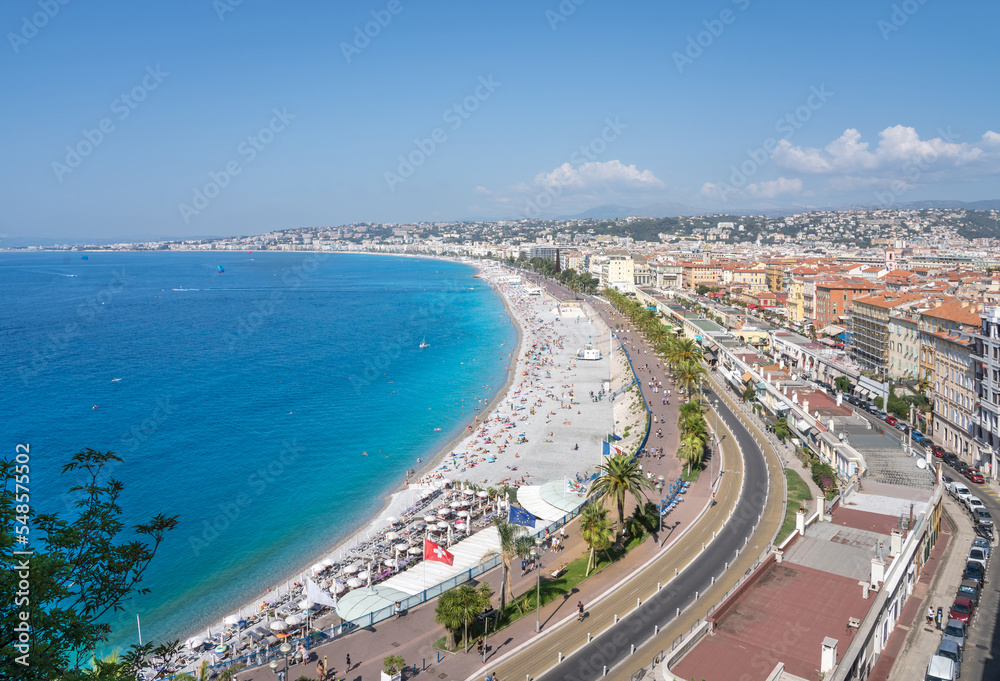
{"x": 835, "y": 298}
{"x": 954, "y": 387}
{"x": 697, "y": 273}
{"x": 986, "y": 368}
{"x": 870, "y": 328}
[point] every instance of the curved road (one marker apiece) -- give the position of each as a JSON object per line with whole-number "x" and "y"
{"x": 615, "y": 644}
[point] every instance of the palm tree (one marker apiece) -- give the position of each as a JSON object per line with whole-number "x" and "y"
{"x": 689, "y": 376}
{"x": 456, "y": 607}
{"x": 693, "y": 423}
{"x": 683, "y": 350}
{"x": 692, "y": 449}
{"x": 508, "y": 533}
{"x": 596, "y": 530}
{"x": 621, "y": 476}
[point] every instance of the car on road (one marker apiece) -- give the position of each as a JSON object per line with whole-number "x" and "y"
{"x": 891, "y": 420}
{"x": 919, "y": 439}
{"x": 980, "y": 543}
{"x": 959, "y": 491}
{"x": 955, "y": 631}
{"x": 941, "y": 668}
{"x": 952, "y": 652}
{"x": 973, "y": 475}
{"x": 983, "y": 518}
{"x": 970, "y": 590}
{"x": 962, "y": 609}
{"x": 973, "y": 503}
{"x": 938, "y": 451}
{"x": 950, "y": 459}
{"x": 978, "y": 556}
{"x": 901, "y": 426}
{"x": 917, "y": 433}
{"x": 975, "y": 572}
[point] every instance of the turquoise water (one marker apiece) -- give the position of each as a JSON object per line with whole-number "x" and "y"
{"x": 245, "y": 399}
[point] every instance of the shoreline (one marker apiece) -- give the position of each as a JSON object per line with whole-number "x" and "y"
{"x": 402, "y": 496}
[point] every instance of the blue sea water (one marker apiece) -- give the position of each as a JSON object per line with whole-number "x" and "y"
{"x": 245, "y": 400}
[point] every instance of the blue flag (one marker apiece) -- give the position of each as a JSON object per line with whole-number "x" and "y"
{"x": 520, "y": 516}
{"x": 605, "y": 448}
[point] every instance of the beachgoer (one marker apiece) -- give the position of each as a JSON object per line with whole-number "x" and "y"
{"x": 348, "y": 662}
{"x": 320, "y": 671}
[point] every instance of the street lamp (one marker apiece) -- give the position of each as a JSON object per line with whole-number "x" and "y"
{"x": 537, "y": 552}
{"x": 715, "y": 450}
{"x": 285, "y": 648}
{"x": 274, "y": 666}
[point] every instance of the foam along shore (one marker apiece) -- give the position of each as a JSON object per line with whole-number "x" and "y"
{"x": 546, "y": 426}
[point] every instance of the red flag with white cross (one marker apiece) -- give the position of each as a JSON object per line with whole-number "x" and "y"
{"x": 434, "y": 551}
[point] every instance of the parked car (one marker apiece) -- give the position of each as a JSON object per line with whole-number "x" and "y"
{"x": 955, "y": 631}
{"x": 974, "y": 475}
{"x": 980, "y": 543}
{"x": 974, "y": 572}
{"x": 952, "y": 652}
{"x": 891, "y": 420}
{"x": 970, "y": 590}
{"x": 959, "y": 491}
{"x": 962, "y": 609}
{"x": 950, "y": 459}
{"x": 977, "y": 555}
{"x": 973, "y": 503}
{"x": 938, "y": 451}
{"x": 901, "y": 426}
{"x": 941, "y": 668}
{"x": 983, "y": 517}
{"x": 918, "y": 438}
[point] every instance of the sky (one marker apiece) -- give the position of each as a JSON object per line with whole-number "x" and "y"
{"x": 228, "y": 117}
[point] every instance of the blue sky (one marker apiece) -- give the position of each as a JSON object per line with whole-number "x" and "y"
{"x": 224, "y": 118}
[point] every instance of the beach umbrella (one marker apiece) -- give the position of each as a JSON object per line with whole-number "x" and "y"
{"x": 391, "y": 536}
{"x": 277, "y": 625}
{"x": 442, "y": 525}
{"x": 232, "y": 620}
{"x": 391, "y": 562}
{"x": 363, "y": 575}
{"x": 355, "y": 583}
{"x": 391, "y": 520}
{"x": 430, "y": 519}
{"x": 351, "y": 569}
{"x": 294, "y": 620}
{"x": 401, "y": 546}
{"x": 456, "y": 504}
{"x": 195, "y": 642}
{"x": 468, "y": 492}
{"x": 338, "y": 588}
{"x": 318, "y": 568}
{"x": 481, "y": 494}
{"x": 329, "y": 562}
{"x": 415, "y": 550}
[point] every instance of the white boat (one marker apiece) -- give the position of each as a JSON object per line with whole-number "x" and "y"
{"x": 423, "y": 344}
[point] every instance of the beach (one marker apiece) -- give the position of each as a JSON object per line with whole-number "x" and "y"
{"x": 552, "y": 402}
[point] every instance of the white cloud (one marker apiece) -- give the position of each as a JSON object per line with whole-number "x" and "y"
{"x": 572, "y": 188}
{"x": 900, "y": 150}
{"x": 772, "y": 188}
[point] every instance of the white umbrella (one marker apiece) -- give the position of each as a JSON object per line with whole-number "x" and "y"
{"x": 391, "y": 562}
{"x": 363, "y": 575}
{"x": 277, "y": 625}
{"x": 459, "y": 525}
{"x": 354, "y": 583}
{"x": 468, "y": 492}
{"x": 293, "y": 620}
{"x": 317, "y": 568}
{"x": 415, "y": 550}
{"x": 462, "y": 514}
{"x": 306, "y": 604}
{"x": 232, "y": 620}
{"x": 351, "y": 569}
{"x": 401, "y": 546}
{"x": 482, "y": 494}
{"x": 442, "y": 525}
{"x": 391, "y": 519}
{"x": 195, "y": 642}
{"x": 430, "y": 518}
{"x": 444, "y": 511}
{"x": 338, "y": 588}
{"x": 391, "y": 536}
{"x": 329, "y": 562}
{"x": 456, "y": 504}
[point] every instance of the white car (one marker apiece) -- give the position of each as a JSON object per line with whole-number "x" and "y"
{"x": 977, "y": 555}
{"x": 974, "y": 504}
{"x": 959, "y": 491}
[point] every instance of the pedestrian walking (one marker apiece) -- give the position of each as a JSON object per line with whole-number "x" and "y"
{"x": 320, "y": 671}
{"x": 348, "y": 662}
{"x": 480, "y": 646}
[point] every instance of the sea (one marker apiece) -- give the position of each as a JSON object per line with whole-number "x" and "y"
{"x": 270, "y": 400}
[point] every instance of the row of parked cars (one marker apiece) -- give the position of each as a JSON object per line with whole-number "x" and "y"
{"x": 946, "y": 663}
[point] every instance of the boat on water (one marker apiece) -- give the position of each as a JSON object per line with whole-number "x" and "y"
{"x": 589, "y": 353}
{"x": 423, "y": 344}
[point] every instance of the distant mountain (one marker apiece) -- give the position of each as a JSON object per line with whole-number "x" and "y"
{"x": 987, "y": 204}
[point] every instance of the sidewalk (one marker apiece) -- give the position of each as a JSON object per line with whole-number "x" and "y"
{"x": 912, "y": 642}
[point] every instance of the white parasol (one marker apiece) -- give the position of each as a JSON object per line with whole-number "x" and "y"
{"x": 329, "y": 562}
{"x": 195, "y": 642}
{"x": 351, "y": 569}
{"x": 277, "y": 625}
{"x": 232, "y": 620}
{"x": 430, "y": 519}
{"x": 294, "y": 620}
{"x": 456, "y": 504}
{"x": 415, "y": 550}
{"x": 318, "y": 568}
{"x": 363, "y": 575}
{"x": 391, "y": 536}
{"x": 338, "y": 588}
{"x": 391, "y": 562}
{"x": 391, "y": 520}
{"x": 462, "y": 514}
{"x": 355, "y": 583}
{"x": 401, "y": 546}
{"x": 442, "y": 525}
{"x": 482, "y": 494}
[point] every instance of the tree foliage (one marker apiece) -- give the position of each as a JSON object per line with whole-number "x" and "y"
{"x": 621, "y": 476}
{"x": 81, "y": 571}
